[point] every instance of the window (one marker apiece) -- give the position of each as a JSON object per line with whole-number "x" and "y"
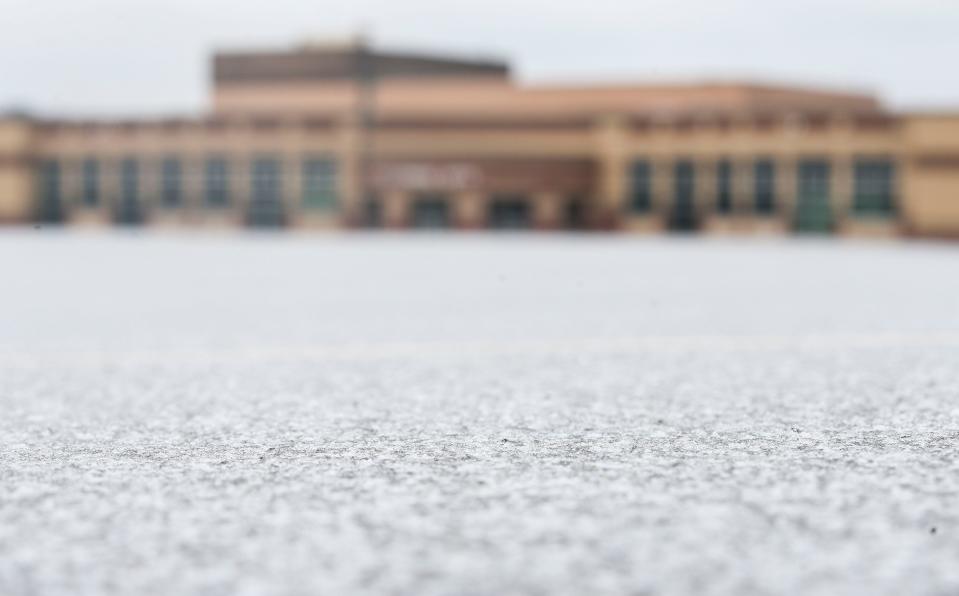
{"x": 764, "y": 178}
{"x": 171, "y": 183}
{"x": 814, "y": 181}
{"x": 90, "y": 183}
{"x": 813, "y": 211}
{"x": 217, "y": 182}
{"x": 724, "y": 187}
{"x": 641, "y": 187}
{"x": 266, "y": 198}
{"x": 685, "y": 183}
{"x": 50, "y": 207}
{"x": 50, "y": 180}
{"x": 319, "y": 183}
{"x": 129, "y": 181}
{"x": 683, "y": 213}
{"x": 128, "y": 207}
{"x": 874, "y": 187}
{"x": 266, "y": 183}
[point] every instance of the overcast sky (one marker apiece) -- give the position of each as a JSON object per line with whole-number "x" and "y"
{"x": 151, "y": 56}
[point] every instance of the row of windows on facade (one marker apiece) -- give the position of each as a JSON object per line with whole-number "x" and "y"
{"x": 873, "y": 185}
{"x": 319, "y": 181}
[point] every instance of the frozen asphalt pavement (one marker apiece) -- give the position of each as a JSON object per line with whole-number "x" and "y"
{"x": 286, "y": 415}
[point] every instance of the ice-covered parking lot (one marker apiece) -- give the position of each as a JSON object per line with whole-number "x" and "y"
{"x": 199, "y": 414}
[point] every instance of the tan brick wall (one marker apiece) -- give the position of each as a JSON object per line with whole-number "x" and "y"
{"x": 932, "y": 203}
{"x": 925, "y": 147}
{"x": 486, "y": 96}
{"x": 931, "y": 175}
{"x": 16, "y": 177}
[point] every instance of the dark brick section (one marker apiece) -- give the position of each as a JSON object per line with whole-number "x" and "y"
{"x": 938, "y": 161}
{"x": 486, "y": 175}
{"x": 487, "y": 123}
{"x": 311, "y": 64}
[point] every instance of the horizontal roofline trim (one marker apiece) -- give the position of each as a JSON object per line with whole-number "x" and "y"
{"x": 329, "y": 121}
{"x": 680, "y": 85}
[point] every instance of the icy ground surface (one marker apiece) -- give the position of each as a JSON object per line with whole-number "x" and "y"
{"x": 187, "y": 415}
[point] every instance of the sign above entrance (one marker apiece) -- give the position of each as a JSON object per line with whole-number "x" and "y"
{"x": 484, "y": 175}
{"x": 428, "y": 176}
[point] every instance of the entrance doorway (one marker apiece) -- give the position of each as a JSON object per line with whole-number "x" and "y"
{"x": 509, "y": 213}
{"x": 574, "y": 214}
{"x": 371, "y": 214}
{"x": 430, "y": 212}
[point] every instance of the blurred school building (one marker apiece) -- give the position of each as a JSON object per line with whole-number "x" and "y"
{"x": 349, "y": 137}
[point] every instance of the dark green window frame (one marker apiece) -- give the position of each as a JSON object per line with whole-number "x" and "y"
{"x": 129, "y": 181}
{"x": 319, "y": 183}
{"x": 641, "y": 186}
{"x": 814, "y": 181}
{"x": 684, "y": 184}
{"x": 764, "y": 186}
{"x": 50, "y": 190}
{"x": 90, "y": 182}
{"x": 724, "y": 187}
{"x": 171, "y": 182}
{"x": 874, "y": 187}
{"x": 266, "y": 180}
{"x": 814, "y": 209}
{"x": 216, "y": 182}
{"x": 266, "y": 206}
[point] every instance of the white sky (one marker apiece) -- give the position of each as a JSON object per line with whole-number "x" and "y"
{"x": 151, "y": 56}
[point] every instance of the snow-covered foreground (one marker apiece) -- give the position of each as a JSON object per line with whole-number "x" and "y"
{"x": 476, "y": 415}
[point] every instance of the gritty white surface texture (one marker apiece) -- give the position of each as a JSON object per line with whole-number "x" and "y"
{"x": 286, "y": 415}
